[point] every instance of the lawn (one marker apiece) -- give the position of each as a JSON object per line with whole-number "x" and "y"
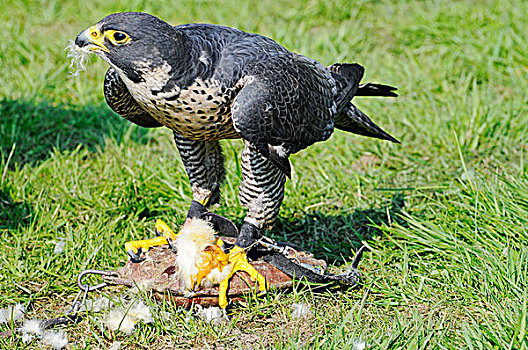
{"x": 445, "y": 214}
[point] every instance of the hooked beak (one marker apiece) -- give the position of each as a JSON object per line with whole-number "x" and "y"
{"x": 92, "y": 39}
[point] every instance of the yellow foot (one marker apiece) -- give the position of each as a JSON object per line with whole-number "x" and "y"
{"x": 163, "y": 229}
{"x": 238, "y": 260}
{"x": 134, "y": 248}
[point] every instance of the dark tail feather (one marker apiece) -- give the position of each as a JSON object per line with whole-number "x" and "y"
{"x": 355, "y": 121}
{"x": 349, "y": 118}
{"x": 371, "y": 89}
{"x": 347, "y": 77}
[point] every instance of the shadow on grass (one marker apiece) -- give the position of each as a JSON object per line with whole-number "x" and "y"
{"x": 13, "y": 214}
{"x": 39, "y": 127}
{"x": 335, "y": 238}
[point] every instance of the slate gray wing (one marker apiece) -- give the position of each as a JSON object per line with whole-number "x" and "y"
{"x": 287, "y": 103}
{"x": 121, "y": 102}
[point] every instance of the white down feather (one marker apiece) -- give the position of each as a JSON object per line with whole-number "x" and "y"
{"x": 194, "y": 237}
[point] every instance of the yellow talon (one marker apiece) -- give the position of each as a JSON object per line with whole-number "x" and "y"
{"x": 145, "y": 244}
{"x": 238, "y": 260}
{"x": 222, "y": 293}
{"x": 165, "y": 230}
{"x": 211, "y": 257}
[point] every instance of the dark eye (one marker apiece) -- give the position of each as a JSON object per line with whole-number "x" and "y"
{"x": 118, "y": 36}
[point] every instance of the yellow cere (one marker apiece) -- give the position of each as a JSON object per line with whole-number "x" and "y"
{"x": 94, "y": 32}
{"x": 96, "y": 38}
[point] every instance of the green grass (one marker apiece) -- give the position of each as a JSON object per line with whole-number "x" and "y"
{"x": 445, "y": 213}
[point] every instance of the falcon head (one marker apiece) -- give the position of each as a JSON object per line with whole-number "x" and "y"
{"x": 135, "y": 44}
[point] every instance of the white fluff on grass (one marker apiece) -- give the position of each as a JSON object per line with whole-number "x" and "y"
{"x": 26, "y": 338}
{"x": 32, "y": 327}
{"x": 141, "y": 312}
{"x": 55, "y": 339}
{"x": 212, "y": 314}
{"x": 125, "y": 318}
{"x": 14, "y": 313}
{"x": 166, "y": 316}
{"x": 115, "y": 346}
{"x": 300, "y": 310}
{"x": 117, "y": 319}
{"x": 359, "y": 345}
{"x": 97, "y": 305}
{"x": 59, "y": 246}
{"x": 102, "y": 303}
{"x": 78, "y": 57}
{"x": 30, "y": 330}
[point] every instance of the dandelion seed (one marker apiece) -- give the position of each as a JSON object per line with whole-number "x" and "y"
{"x": 56, "y": 340}
{"x": 300, "y": 310}
{"x": 12, "y": 313}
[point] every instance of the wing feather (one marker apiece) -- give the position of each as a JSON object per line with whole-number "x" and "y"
{"x": 286, "y": 103}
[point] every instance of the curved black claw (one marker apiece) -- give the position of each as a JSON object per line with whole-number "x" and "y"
{"x": 294, "y": 270}
{"x": 353, "y": 276}
{"x": 359, "y": 255}
{"x": 135, "y": 257}
{"x": 221, "y": 224}
{"x": 171, "y": 244}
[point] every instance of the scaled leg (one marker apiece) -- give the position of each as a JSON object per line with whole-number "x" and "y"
{"x": 262, "y": 192}
{"x": 204, "y": 163}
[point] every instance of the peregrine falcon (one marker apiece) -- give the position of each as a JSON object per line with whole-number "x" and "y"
{"x": 209, "y": 82}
